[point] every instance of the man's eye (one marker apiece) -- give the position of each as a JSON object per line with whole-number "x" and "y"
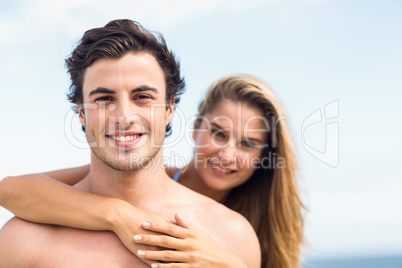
{"x": 142, "y": 97}
{"x": 103, "y": 99}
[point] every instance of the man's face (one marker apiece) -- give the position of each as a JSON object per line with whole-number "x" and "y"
{"x": 124, "y": 110}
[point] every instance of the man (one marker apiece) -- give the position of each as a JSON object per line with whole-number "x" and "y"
{"x": 126, "y": 83}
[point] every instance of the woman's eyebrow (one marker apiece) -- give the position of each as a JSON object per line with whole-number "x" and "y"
{"x": 253, "y": 139}
{"x": 216, "y": 125}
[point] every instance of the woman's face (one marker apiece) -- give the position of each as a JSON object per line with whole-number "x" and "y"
{"x": 229, "y": 143}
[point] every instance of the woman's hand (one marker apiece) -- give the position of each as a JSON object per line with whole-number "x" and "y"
{"x": 185, "y": 246}
{"x": 126, "y": 220}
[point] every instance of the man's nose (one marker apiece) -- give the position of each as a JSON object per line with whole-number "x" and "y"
{"x": 125, "y": 114}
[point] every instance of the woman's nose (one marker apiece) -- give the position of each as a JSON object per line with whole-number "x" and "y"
{"x": 228, "y": 152}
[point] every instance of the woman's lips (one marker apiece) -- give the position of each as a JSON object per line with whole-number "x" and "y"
{"x": 220, "y": 170}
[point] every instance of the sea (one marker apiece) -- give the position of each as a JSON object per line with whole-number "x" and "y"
{"x": 360, "y": 262}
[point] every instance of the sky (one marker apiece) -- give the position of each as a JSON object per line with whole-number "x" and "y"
{"x": 335, "y": 65}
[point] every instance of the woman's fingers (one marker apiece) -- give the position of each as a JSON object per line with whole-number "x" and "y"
{"x": 185, "y": 223}
{"x": 180, "y": 221}
{"x": 160, "y": 241}
{"x": 162, "y": 255}
{"x": 167, "y": 228}
{"x": 171, "y": 265}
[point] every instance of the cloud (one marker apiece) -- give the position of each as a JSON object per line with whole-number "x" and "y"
{"x": 34, "y": 20}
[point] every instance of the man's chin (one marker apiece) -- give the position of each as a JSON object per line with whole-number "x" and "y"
{"x": 121, "y": 166}
{"x": 128, "y": 164}
{"x": 124, "y": 167}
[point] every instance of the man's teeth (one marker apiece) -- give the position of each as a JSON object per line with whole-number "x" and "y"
{"x": 219, "y": 169}
{"x": 125, "y": 138}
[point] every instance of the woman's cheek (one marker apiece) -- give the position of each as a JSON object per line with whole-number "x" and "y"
{"x": 203, "y": 143}
{"x": 247, "y": 162}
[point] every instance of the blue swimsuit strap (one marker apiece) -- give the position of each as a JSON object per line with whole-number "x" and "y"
{"x": 176, "y": 175}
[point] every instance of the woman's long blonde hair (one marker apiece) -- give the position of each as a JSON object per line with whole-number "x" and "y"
{"x": 269, "y": 199}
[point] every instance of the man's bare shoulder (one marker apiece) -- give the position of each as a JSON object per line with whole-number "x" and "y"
{"x": 20, "y": 242}
{"x": 233, "y": 232}
{"x": 26, "y": 244}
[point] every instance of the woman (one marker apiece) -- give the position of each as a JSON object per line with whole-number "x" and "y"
{"x": 248, "y": 165}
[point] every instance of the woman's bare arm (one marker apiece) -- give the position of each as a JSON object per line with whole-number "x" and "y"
{"x": 69, "y": 176}
{"x": 41, "y": 199}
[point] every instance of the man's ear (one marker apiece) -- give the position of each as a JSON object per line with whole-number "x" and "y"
{"x": 81, "y": 114}
{"x": 169, "y": 111}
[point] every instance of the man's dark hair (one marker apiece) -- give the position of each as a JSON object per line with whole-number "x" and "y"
{"x": 115, "y": 40}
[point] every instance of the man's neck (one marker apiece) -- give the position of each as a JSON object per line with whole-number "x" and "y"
{"x": 145, "y": 187}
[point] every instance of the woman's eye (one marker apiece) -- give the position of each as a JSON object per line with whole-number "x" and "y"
{"x": 217, "y": 133}
{"x": 248, "y": 144}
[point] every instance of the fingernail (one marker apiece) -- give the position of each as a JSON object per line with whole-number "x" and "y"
{"x": 146, "y": 224}
{"x": 154, "y": 265}
{"x": 141, "y": 252}
{"x": 137, "y": 238}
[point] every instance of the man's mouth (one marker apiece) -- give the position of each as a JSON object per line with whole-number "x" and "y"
{"x": 125, "y": 138}
{"x": 220, "y": 169}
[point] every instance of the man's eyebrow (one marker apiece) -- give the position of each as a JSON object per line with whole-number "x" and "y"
{"x": 101, "y": 90}
{"x": 144, "y": 88}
